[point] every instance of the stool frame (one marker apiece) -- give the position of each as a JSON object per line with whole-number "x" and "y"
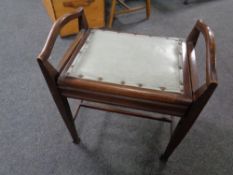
{"x": 114, "y": 98}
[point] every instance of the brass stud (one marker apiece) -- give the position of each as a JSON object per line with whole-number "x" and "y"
{"x": 80, "y": 76}
{"x": 181, "y": 88}
{"x": 139, "y": 84}
{"x": 162, "y": 88}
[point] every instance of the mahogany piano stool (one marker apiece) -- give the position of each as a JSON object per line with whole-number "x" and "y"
{"x": 113, "y": 71}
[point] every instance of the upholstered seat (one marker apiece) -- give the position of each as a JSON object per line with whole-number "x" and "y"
{"x": 134, "y": 60}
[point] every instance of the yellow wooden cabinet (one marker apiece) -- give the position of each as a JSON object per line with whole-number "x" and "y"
{"x": 94, "y": 11}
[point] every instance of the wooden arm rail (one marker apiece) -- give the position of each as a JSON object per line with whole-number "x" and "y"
{"x": 57, "y": 26}
{"x": 211, "y": 76}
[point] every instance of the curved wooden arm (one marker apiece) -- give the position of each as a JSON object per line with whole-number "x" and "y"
{"x": 57, "y": 26}
{"x": 211, "y": 75}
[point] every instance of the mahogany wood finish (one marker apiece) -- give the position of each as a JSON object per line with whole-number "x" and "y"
{"x": 121, "y": 110}
{"x": 202, "y": 94}
{"x": 112, "y": 97}
{"x": 51, "y": 74}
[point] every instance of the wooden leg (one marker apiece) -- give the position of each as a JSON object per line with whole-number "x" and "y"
{"x": 183, "y": 127}
{"x": 64, "y": 109}
{"x": 147, "y": 9}
{"x": 181, "y": 130}
{"x": 112, "y": 13}
{"x": 63, "y": 106}
{"x": 188, "y": 119}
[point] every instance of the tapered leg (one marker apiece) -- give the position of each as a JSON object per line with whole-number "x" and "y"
{"x": 63, "y": 106}
{"x": 188, "y": 119}
{"x": 64, "y": 109}
{"x": 181, "y": 130}
{"x": 147, "y": 9}
{"x": 112, "y": 13}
